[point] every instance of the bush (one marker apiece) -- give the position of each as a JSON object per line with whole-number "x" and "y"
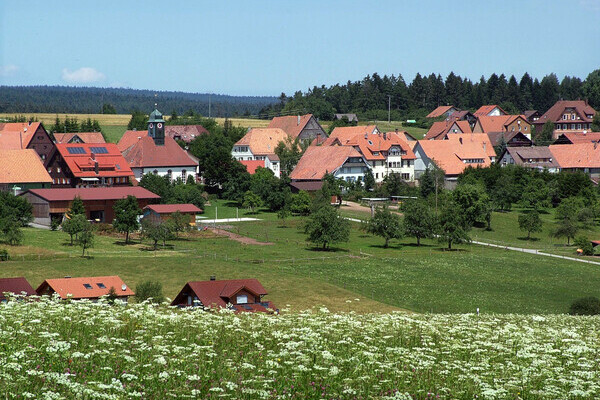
{"x": 54, "y": 224}
{"x": 4, "y": 255}
{"x": 104, "y": 229}
{"x": 149, "y": 290}
{"x": 585, "y": 306}
{"x": 583, "y": 243}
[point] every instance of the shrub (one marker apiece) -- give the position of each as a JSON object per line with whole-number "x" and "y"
{"x": 149, "y": 290}
{"x": 54, "y": 224}
{"x": 4, "y": 255}
{"x": 585, "y": 306}
{"x": 583, "y": 243}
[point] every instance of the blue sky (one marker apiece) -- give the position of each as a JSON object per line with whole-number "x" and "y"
{"x": 266, "y": 47}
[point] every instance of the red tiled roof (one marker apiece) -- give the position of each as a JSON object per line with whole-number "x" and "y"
{"x": 86, "y": 137}
{"x": 378, "y": 144}
{"x": 555, "y": 113}
{"x": 485, "y": 110}
{"x": 439, "y": 129}
{"x": 94, "y": 193}
{"x": 187, "y": 133}
{"x": 82, "y": 162}
{"x": 130, "y": 138}
{"x": 309, "y": 186}
{"x": 171, "y": 208}
{"x": 498, "y": 123}
{"x": 577, "y": 155}
{"x": 17, "y": 135}
{"x": 75, "y": 288}
{"x": 219, "y": 292}
{"x": 22, "y": 166}
{"x": 263, "y": 141}
{"x": 252, "y": 165}
{"x": 292, "y": 125}
{"x": 439, "y": 111}
{"x": 449, "y": 154}
{"x": 522, "y": 155}
{"x": 318, "y": 160}
{"x": 481, "y": 140}
{"x": 16, "y": 286}
{"x": 144, "y": 153}
{"x": 580, "y": 137}
{"x": 343, "y": 134}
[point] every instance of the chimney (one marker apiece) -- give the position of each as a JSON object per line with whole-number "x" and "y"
{"x": 396, "y": 130}
{"x": 460, "y": 140}
{"x": 96, "y": 169}
{"x": 93, "y": 156}
{"x": 213, "y": 278}
{"x": 298, "y": 120}
{"x": 484, "y": 146}
{"x": 595, "y": 144}
{"x": 384, "y": 136}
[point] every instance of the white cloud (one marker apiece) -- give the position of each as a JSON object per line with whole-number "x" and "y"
{"x": 8, "y": 70}
{"x": 82, "y": 75}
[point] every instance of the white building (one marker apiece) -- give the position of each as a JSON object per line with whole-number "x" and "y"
{"x": 260, "y": 144}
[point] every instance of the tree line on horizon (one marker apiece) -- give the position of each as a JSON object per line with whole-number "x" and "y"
{"x": 371, "y": 96}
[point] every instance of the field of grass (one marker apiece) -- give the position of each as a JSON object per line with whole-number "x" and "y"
{"x": 49, "y": 118}
{"x": 76, "y": 350}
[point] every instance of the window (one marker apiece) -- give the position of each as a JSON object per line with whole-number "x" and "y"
{"x": 101, "y": 285}
{"x": 565, "y": 116}
{"x": 572, "y": 116}
{"x": 405, "y": 176}
{"x": 155, "y": 172}
{"x": 525, "y": 128}
{"x": 572, "y": 126}
{"x": 58, "y": 169}
{"x": 183, "y": 174}
{"x": 578, "y": 126}
{"x": 170, "y": 175}
{"x": 242, "y": 299}
{"x": 87, "y": 286}
{"x": 50, "y": 170}
{"x": 564, "y": 126}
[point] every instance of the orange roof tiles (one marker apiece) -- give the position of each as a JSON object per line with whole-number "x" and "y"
{"x": 144, "y": 153}
{"x": 82, "y": 161}
{"x": 319, "y": 160}
{"x": 373, "y": 147}
{"x": 263, "y": 141}
{"x": 292, "y": 124}
{"x": 577, "y": 155}
{"x": 485, "y": 110}
{"x": 84, "y": 288}
{"x": 219, "y": 293}
{"x": 580, "y": 137}
{"x": 498, "y": 123}
{"x": 86, "y": 137}
{"x": 439, "y": 111}
{"x": 439, "y": 129}
{"x": 450, "y": 155}
{"x": 93, "y": 193}
{"x": 252, "y": 165}
{"x": 343, "y": 134}
{"x": 172, "y": 208}
{"x": 22, "y": 166}
{"x": 555, "y": 113}
{"x": 17, "y": 135}
{"x": 482, "y": 140}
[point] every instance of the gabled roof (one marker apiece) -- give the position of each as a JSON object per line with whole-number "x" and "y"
{"x": 496, "y": 137}
{"x": 252, "y": 165}
{"x": 130, "y": 138}
{"x": 577, "y": 137}
{"x": 440, "y": 129}
{"x": 16, "y": 286}
{"x": 86, "y": 287}
{"x": 81, "y": 158}
{"x": 578, "y": 155}
{"x": 187, "y": 133}
{"x": 555, "y": 113}
{"x": 22, "y": 166}
{"x": 481, "y": 140}
{"x": 263, "y": 141}
{"x": 86, "y": 137}
{"x": 343, "y": 134}
{"x": 172, "y": 208}
{"x": 372, "y": 146}
{"x": 144, "y": 153}
{"x": 459, "y": 115}
{"x": 219, "y": 292}
{"x": 450, "y": 154}
{"x": 439, "y": 111}
{"x": 522, "y": 155}
{"x": 498, "y": 123}
{"x": 17, "y": 135}
{"x": 291, "y": 124}
{"x": 94, "y": 193}
{"x": 318, "y": 160}
{"x": 530, "y": 113}
{"x": 485, "y": 110}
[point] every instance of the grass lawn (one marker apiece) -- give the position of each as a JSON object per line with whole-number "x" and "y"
{"x": 113, "y": 133}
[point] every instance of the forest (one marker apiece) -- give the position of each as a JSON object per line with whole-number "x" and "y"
{"x": 371, "y": 96}
{"x": 90, "y": 100}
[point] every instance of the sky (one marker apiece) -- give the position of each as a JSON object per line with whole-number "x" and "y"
{"x": 262, "y": 48}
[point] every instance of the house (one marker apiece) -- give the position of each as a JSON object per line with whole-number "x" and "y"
{"x": 240, "y": 295}
{"x": 26, "y": 135}
{"x": 91, "y": 288}
{"x": 252, "y": 165}
{"x": 453, "y": 156}
{"x": 343, "y": 134}
{"x": 577, "y": 137}
{"x": 442, "y": 111}
{"x": 349, "y": 117}
{"x": 161, "y": 212}
{"x": 21, "y": 170}
{"x": 503, "y": 123}
{"x": 51, "y": 204}
{"x": 463, "y": 116}
{"x": 537, "y": 157}
{"x": 260, "y": 144}
{"x": 583, "y": 157}
{"x": 344, "y": 162}
{"x": 301, "y": 127}
{"x": 441, "y": 129}
{"x": 16, "y": 286}
{"x": 490, "y": 110}
{"x": 185, "y": 133}
{"x": 88, "y": 164}
{"x": 79, "y": 137}
{"x": 151, "y": 152}
{"x": 510, "y": 139}
{"x": 532, "y": 115}
{"x": 480, "y": 139}
{"x": 567, "y": 115}
{"x": 386, "y": 153}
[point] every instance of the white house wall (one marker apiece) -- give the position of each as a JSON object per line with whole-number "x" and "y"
{"x": 176, "y": 172}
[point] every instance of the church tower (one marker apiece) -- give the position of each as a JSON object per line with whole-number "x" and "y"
{"x": 156, "y": 127}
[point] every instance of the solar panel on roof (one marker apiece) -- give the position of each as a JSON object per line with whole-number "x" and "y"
{"x": 76, "y": 150}
{"x": 99, "y": 150}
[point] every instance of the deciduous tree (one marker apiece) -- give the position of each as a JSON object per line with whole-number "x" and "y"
{"x": 385, "y": 224}
{"x": 126, "y": 216}
{"x": 325, "y": 226}
{"x": 419, "y": 220}
{"x": 530, "y": 223}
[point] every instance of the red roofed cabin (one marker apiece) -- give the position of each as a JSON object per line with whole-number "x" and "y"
{"x": 88, "y": 164}
{"x": 161, "y": 212}
{"x": 91, "y": 288}
{"x": 442, "y": 111}
{"x": 240, "y": 295}
{"x": 301, "y": 127}
{"x": 15, "y": 285}
{"x": 573, "y": 116}
{"x": 26, "y": 135}
{"x": 98, "y": 202}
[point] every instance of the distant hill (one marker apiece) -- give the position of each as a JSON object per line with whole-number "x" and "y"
{"x": 82, "y": 100}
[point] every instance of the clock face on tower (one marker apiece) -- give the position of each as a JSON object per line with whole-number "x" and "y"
{"x": 159, "y": 125}
{"x": 150, "y": 125}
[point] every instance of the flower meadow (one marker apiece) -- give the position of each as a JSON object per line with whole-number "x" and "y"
{"x": 52, "y": 349}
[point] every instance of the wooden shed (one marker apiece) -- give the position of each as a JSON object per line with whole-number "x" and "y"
{"x": 161, "y": 212}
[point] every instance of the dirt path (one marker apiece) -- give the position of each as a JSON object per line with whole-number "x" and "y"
{"x": 239, "y": 238}
{"x": 352, "y": 206}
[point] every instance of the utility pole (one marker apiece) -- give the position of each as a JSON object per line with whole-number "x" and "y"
{"x": 209, "y": 96}
{"x": 389, "y": 108}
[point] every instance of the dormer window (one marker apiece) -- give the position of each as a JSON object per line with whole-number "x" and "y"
{"x": 242, "y": 299}
{"x": 87, "y": 286}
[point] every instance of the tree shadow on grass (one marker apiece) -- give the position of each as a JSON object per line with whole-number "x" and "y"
{"x": 390, "y": 246}
{"x": 414, "y": 244}
{"x": 319, "y": 249}
{"x": 122, "y": 243}
{"x": 531, "y": 239}
{"x": 446, "y": 250}
{"x": 158, "y": 248}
